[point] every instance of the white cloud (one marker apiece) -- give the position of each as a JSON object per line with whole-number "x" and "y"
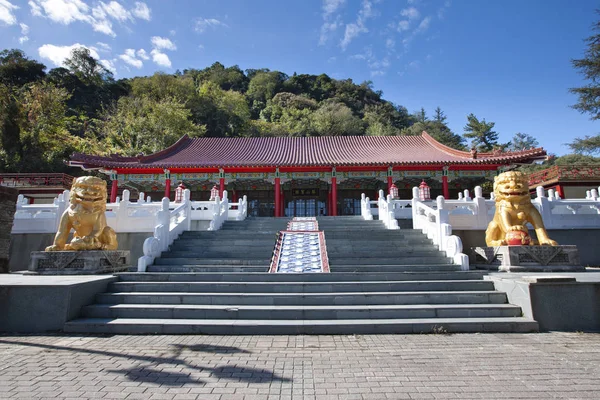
{"x": 141, "y": 53}
{"x": 104, "y": 46}
{"x": 58, "y": 54}
{"x": 172, "y": 32}
{"x": 24, "y": 32}
{"x": 390, "y": 43}
{"x": 64, "y": 11}
{"x": 130, "y": 58}
{"x": 99, "y": 17}
{"x": 104, "y": 26}
{"x": 160, "y": 58}
{"x": 204, "y": 23}
{"x": 141, "y": 11}
{"x": 116, "y": 11}
{"x": 356, "y": 28}
{"x": 410, "y": 13}
{"x": 162, "y": 43}
{"x": 6, "y": 12}
{"x": 424, "y": 25}
{"x": 331, "y": 6}
{"x": 36, "y": 10}
{"x": 109, "y": 65}
{"x": 327, "y": 29}
{"x": 403, "y": 26}
{"x": 442, "y": 11}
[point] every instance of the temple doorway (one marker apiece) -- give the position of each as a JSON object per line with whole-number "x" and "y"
{"x": 305, "y": 198}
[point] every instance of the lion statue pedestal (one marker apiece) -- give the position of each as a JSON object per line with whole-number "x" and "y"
{"x": 93, "y": 248}
{"x": 510, "y": 247}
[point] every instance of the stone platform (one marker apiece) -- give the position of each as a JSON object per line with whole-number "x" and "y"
{"x": 527, "y": 258}
{"x": 79, "y": 262}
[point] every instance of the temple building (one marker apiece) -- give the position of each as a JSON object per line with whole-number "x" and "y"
{"x": 569, "y": 181}
{"x": 303, "y": 176}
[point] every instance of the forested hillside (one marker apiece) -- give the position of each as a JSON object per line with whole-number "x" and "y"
{"x": 45, "y": 115}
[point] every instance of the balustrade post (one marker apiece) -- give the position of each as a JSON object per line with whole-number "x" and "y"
{"x": 413, "y": 202}
{"x": 543, "y": 207}
{"x": 164, "y": 221}
{"x": 594, "y": 195}
{"x": 188, "y": 209}
{"x": 480, "y": 208}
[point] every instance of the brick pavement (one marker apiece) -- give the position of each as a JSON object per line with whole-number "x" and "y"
{"x": 466, "y": 366}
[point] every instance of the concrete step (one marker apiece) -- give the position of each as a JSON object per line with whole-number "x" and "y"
{"x": 301, "y": 287}
{"x": 268, "y": 277}
{"x": 249, "y": 254}
{"x": 207, "y": 268}
{"x": 294, "y": 327}
{"x": 337, "y": 268}
{"x": 211, "y": 261}
{"x": 338, "y": 298}
{"x": 157, "y": 311}
{"x": 409, "y": 259}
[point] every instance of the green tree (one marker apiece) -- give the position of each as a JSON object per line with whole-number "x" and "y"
{"x": 483, "y": 137}
{"x": 522, "y": 141}
{"x": 17, "y": 70}
{"x": 589, "y": 67}
{"x": 141, "y": 124}
{"x": 588, "y": 145}
{"x": 336, "y": 119}
{"x": 87, "y": 68}
{"x": 224, "y": 112}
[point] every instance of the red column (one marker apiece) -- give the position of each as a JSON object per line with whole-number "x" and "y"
{"x": 234, "y": 198}
{"x": 334, "y": 196}
{"x": 329, "y": 202}
{"x": 559, "y": 190}
{"x": 390, "y": 183}
{"x": 278, "y": 197}
{"x": 114, "y": 187}
{"x": 221, "y": 187}
{"x": 168, "y": 188}
{"x": 282, "y": 206}
{"x": 445, "y": 187}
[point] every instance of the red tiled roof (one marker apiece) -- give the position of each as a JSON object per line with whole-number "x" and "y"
{"x": 304, "y": 151}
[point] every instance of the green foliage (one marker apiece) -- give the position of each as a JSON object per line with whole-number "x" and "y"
{"x": 576, "y": 159}
{"x": 483, "y": 137}
{"x": 589, "y": 67}
{"x": 522, "y": 141}
{"x": 141, "y": 124}
{"x": 17, "y": 70}
{"x": 336, "y": 119}
{"x": 588, "y": 145}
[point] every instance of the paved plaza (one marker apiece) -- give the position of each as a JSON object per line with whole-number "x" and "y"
{"x": 439, "y": 366}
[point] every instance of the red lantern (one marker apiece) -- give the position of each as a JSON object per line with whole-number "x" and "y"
{"x": 394, "y": 191}
{"x": 424, "y": 191}
{"x": 214, "y": 193}
{"x": 179, "y": 193}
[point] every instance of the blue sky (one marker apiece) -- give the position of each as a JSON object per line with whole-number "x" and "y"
{"x": 505, "y": 61}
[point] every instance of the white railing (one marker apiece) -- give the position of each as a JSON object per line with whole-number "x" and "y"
{"x": 39, "y": 218}
{"x": 220, "y": 212}
{"x": 124, "y": 216}
{"x": 434, "y": 222}
{"x": 241, "y": 210}
{"x": 171, "y": 224}
{"x": 366, "y": 211}
{"x": 386, "y": 211}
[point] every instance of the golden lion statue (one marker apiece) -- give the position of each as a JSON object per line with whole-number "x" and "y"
{"x": 86, "y": 215}
{"x": 513, "y": 211}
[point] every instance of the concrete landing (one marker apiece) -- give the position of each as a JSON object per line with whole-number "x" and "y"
{"x": 558, "y": 301}
{"x": 34, "y": 303}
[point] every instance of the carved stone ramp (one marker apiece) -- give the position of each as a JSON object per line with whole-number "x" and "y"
{"x": 381, "y": 281}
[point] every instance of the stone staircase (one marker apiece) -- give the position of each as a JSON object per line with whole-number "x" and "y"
{"x": 381, "y": 281}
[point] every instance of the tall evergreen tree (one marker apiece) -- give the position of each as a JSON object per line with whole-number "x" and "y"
{"x": 481, "y": 133}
